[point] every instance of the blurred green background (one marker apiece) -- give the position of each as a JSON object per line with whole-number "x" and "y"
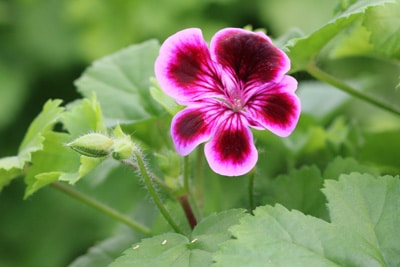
{"x": 45, "y": 45}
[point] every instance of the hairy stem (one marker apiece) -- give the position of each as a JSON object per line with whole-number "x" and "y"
{"x": 152, "y": 176}
{"x": 153, "y": 193}
{"x": 101, "y": 207}
{"x": 326, "y": 77}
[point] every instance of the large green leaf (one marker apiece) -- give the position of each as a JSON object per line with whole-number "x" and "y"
{"x": 369, "y": 207}
{"x": 55, "y": 161}
{"x": 84, "y": 116}
{"x": 105, "y": 252}
{"x": 384, "y": 24}
{"x": 121, "y": 82}
{"x": 304, "y": 50}
{"x": 176, "y": 250}
{"x": 11, "y": 167}
{"x": 300, "y": 190}
{"x": 364, "y": 230}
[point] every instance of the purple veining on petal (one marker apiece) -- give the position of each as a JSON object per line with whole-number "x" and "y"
{"x": 184, "y": 68}
{"x": 189, "y": 129}
{"x": 251, "y": 57}
{"x": 231, "y": 152}
{"x": 276, "y": 109}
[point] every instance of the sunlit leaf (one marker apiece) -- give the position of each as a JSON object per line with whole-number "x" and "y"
{"x": 43, "y": 123}
{"x": 364, "y": 229}
{"x": 304, "y": 50}
{"x": 84, "y": 116}
{"x": 121, "y": 82}
{"x": 384, "y": 24}
{"x": 11, "y": 167}
{"x": 173, "y": 249}
{"x": 163, "y": 99}
{"x": 55, "y": 161}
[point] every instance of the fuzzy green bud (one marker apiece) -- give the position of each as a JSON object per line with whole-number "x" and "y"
{"x": 123, "y": 145}
{"x": 92, "y": 145}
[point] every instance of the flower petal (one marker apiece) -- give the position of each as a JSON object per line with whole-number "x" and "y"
{"x": 231, "y": 152}
{"x": 276, "y": 108}
{"x": 184, "y": 68}
{"x": 191, "y": 127}
{"x": 249, "y": 56}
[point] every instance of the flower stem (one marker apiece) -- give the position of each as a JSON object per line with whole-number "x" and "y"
{"x": 153, "y": 193}
{"x": 186, "y": 174}
{"x": 326, "y": 77}
{"x": 199, "y": 177}
{"x": 101, "y": 207}
{"x": 153, "y": 177}
{"x": 250, "y": 191}
{"x": 184, "y": 201}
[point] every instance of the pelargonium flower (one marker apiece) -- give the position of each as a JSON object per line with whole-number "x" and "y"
{"x": 236, "y": 83}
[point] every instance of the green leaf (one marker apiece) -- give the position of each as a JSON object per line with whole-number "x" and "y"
{"x": 384, "y": 24}
{"x": 44, "y": 122}
{"x": 57, "y": 162}
{"x": 53, "y": 162}
{"x": 320, "y": 99}
{"x": 103, "y": 253}
{"x": 121, "y": 82}
{"x": 163, "y": 99}
{"x": 12, "y": 167}
{"x": 173, "y": 249}
{"x": 299, "y": 189}
{"x": 345, "y": 166}
{"x": 84, "y": 116}
{"x": 379, "y": 150}
{"x": 304, "y": 50}
{"x": 369, "y": 207}
{"x": 364, "y": 230}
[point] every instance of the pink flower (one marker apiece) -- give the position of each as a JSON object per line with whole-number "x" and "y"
{"x": 237, "y": 83}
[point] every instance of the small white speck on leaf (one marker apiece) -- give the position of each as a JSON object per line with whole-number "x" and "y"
{"x": 164, "y": 242}
{"x": 194, "y": 241}
{"x": 136, "y": 247}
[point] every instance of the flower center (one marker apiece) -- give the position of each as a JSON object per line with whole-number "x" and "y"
{"x": 236, "y": 104}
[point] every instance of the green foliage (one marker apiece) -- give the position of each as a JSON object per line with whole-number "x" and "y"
{"x": 320, "y": 197}
{"x": 304, "y": 51}
{"x": 173, "y": 249}
{"x": 11, "y": 167}
{"x": 121, "y": 83}
{"x": 360, "y": 207}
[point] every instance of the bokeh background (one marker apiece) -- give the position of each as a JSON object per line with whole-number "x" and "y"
{"x": 46, "y": 44}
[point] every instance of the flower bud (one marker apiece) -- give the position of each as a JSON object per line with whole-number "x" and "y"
{"x": 92, "y": 145}
{"x": 123, "y": 145}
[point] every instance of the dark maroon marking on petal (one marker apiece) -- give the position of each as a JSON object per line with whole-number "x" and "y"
{"x": 190, "y": 125}
{"x": 250, "y": 56}
{"x": 189, "y": 64}
{"x": 278, "y": 109}
{"x": 233, "y": 145}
